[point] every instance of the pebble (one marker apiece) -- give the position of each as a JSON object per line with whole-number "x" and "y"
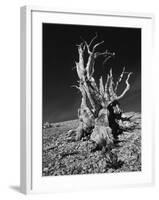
{"x": 45, "y": 169}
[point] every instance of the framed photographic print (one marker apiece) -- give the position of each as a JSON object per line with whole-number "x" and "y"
{"x": 86, "y": 100}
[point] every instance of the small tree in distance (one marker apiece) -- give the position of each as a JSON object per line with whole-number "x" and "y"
{"x": 99, "y": 102}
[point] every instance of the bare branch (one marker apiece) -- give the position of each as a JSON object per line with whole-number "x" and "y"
{"x": 105, "y": 53}
{"x": 106, "y": 84}
{"x": 93, "y": 39}
{"x": 88, "y": 48}
{"x": 101, "y": 86}
{"x": 88, "y": 45}
{"x": 107, "y": 56}
{"x": 94, "y": 85}
{"x": 112, "y": 95}
{"x": 119, "y": 79}
{"x": 80, "y": 64}
{"x": 75, "y": 86}
{"x": 127, "y": 87}
{"x": 95, "y": 46}
{"x": 78, "y": 70}
{"x": 106, "y": 59}
{"x": 106, "y": 96}
{"x": 93, "y": 55}
{"x": 90, "y": 66}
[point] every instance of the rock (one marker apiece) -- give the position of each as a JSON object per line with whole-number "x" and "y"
{"x": 47, "y": 125}
{"x": 126, "y": 153}
{"x": 70, "y": 132}
{"x": 49, "y": 165}
{"x": 45, "y": 170}
{"x": 57, "y": 125}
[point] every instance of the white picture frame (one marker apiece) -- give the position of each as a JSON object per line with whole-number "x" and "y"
{"x": 31, "y": 104}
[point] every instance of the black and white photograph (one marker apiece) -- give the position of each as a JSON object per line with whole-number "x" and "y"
{"x": 91, "y": 99}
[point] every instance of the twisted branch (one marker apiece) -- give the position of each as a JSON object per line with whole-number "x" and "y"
{"x": 127, "y": 87}
{"x": 104, "y": 94}
{"x": 119, "y": 79}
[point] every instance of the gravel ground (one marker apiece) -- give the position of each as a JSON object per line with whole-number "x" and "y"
{"x": 62, "y": 155}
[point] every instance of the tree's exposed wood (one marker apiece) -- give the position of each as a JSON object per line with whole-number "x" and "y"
{"x": 96, "y": 35}
{"x": 127, "y": 87}
{"x": 119, "y": 79}
{"x": 95, "y": 114}
{"x": 101, "y": 87}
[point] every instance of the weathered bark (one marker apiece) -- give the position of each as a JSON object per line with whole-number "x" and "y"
{"x": 99, "y": 109}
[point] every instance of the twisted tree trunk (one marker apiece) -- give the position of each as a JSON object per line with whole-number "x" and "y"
{"x": 99, "y": 108}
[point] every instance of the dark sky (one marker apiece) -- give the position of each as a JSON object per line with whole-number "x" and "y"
{"x": 60, "y": 100}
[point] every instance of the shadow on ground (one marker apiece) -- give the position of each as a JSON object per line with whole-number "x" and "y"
{"x": 65, "y": 156}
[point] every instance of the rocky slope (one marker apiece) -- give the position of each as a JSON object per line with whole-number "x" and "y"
{"x": 62, "y": 155}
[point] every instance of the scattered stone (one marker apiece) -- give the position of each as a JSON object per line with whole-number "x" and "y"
{"x": 47, "y": 125}
{"x": 45, "y": 169}
{"x": 57, "y": 125}
{"x": 63, "y": 157}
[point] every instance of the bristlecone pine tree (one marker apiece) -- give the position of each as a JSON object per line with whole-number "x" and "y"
{"x": 99, "y": 110}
